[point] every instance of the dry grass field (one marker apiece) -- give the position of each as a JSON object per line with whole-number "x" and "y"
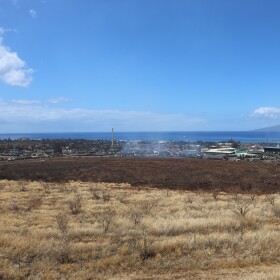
{"x": 86, "y": 230}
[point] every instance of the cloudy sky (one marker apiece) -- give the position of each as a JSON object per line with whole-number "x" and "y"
{"x": 141, "y": 65}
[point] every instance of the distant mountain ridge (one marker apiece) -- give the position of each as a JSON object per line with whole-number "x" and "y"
{"x": 270, "y": 128}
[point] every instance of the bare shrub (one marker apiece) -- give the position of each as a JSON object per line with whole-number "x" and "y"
{"x": 270, "y": 199}
{"x": 95, "y": 195}
{"x": 167, "y": 193}
{"x": 14, "y": 206}
{"x": 253, "y": 197}
{"x": 215, "y": 194}
{"x": 81, "y": 258}
{"x": 62, "y": 188}
{"x": 189, "y": 199}
{"x": 206, "y": 200}
{"x": 276, "y": 211}
{"x": 46, "y": 188}
{"x": 106, "y": 219}
{"x": 106, "y": 197}
{"x": 76, "y": 204}
{"x": 240, "y": 206}
{"x": 122, "y": 200}
{"x": 22, "y": 187}
{"x": 136, "y": 216}
{"x": 148, "y": 206}
{"x": 146, "y": 251}
{"x": 62, "y": 251}
{"x": 62, "y": 223}
{"x": 34, "y": 203}
{"x": 73, "y": 189}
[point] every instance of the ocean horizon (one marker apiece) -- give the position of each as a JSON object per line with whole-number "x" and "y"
{"x": 188, "y": 136}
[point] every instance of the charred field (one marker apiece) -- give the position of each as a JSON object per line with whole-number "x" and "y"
{"x": 184, "y": 174}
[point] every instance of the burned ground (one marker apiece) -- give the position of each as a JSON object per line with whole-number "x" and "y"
{"x": 188, "y": 174}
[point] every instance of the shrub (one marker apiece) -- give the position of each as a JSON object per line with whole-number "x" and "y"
{"x": 270, "y": 199}
{"x": 136, "y": 216}
{"x": 122, "y": 200}
{"x": 276, "y": 211}
{"x": 62, "y": 188}
{"x": 189, "y": 200}
{"x": 14, "y": 206}
{"x": 62, "y": 251}
{"x": 145, "y": 251}
{"x": 46, "y": 188}
{"x": 76, "y": 204}
{"x": 240, "y": 206}
{"x": 22, "y": 187}
{"x": 105, "y": 220}
{"x": 96, "y": 195}
{"x": 62, "y": 223}
{"x": 34, "y": 203}
{"x": 106, "y": 197}
{"x": 148, "y": 206}
{"x": 215, "y": 194}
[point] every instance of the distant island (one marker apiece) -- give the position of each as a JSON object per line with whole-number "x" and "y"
{"x": 270, "y": 128}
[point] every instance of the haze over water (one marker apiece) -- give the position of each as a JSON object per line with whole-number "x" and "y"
{"x": 215, "y": 136}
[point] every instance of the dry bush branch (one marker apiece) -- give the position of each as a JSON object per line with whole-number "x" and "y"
{"x": 215, "y": 194}
{"x": 105, "y": 220}
{"x": 22, "y": 186}
{"x": 46, "y": 188}
{"x": 189, "y": 199}
{"x": 76, "y": 204}
{"x": 240, "y": 206}
{"x": 62, "y": 223}
{"x": 34, "y": 203}
{"x": 276, "y": 211}
{"x": 135, "y": 215}
{"x": 62, "y": 251}
{"x": 270, "y": 199}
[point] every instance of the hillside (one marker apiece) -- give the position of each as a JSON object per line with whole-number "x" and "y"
{"x": 270, "y": 128}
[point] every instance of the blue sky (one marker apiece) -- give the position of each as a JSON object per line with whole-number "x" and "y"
{"x": 139, "y": 65}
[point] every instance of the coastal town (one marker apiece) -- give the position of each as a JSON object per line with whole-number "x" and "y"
{"x": 25, "y": 148}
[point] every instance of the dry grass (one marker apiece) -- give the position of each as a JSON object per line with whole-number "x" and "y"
{"x": 109, "y": 231}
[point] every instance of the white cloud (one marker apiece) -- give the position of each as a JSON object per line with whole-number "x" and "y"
{"x": 26, "y": 115}
{"x": 60, "y": 99}
{"x": 26, "y": 102}
{"x": 267, "y": 112}
{"x": 33, "y": 13}
{"x": 13, "y": 69}
{"x": 3, "y": 30}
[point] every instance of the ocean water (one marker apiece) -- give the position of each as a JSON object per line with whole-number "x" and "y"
{"x": 191, "y": 136}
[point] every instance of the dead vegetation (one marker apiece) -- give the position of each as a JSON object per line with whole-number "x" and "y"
{"x": 108, "y": 231}
{"x": 169, "y": 173}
